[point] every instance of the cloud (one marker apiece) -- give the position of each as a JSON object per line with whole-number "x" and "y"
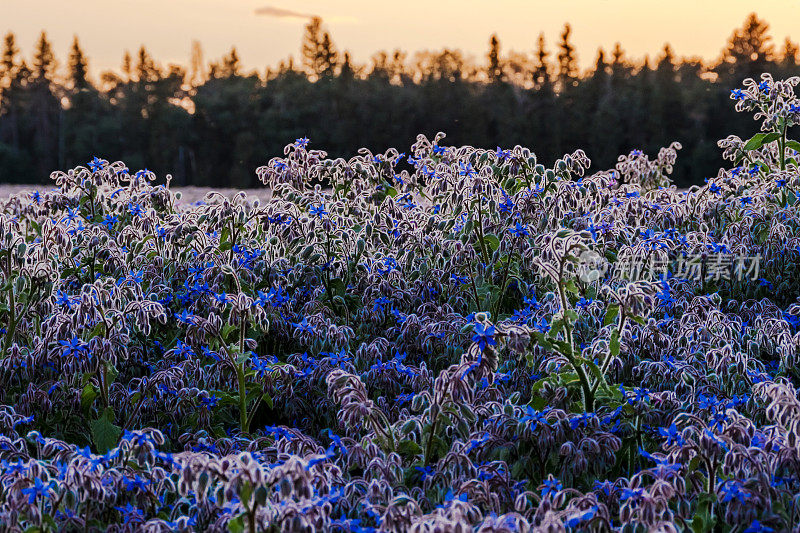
{"x": 279, "y": 12}
{"x": 288, "y": 14}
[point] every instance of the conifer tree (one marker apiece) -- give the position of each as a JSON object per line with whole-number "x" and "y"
{"x": 8, "y": 60}
{"x": 567, "y": 60}
{"x": 231, "y": 64}
{"x": 748, "y": 52}
{"x": 77, "y": 66}
{"x": 320, "y": 57}
{"x": 541, "y": 72}
{"x": 495, "y": 70}
{"x": 44, "y": 62}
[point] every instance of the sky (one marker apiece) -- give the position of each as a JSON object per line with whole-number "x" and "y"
{"x": 267, "y": 31}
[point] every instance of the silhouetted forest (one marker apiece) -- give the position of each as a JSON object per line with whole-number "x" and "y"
{"x": 212, "y": 124}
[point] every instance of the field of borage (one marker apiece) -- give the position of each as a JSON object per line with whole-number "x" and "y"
{"x": 410, "y": 351}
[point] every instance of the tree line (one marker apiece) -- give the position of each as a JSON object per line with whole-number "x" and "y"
{"x": 212, "y": 124}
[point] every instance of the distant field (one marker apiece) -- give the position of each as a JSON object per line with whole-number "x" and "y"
{"x": 188, "y": 194}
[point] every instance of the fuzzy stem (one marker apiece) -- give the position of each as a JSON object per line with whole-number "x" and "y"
{"x": 608, "y": 359}
{"x": 484, "y": 252}
{"x": 12, "y": 308}
{"x": 782, "y": 146}
{"x": 586, "y": 389}
{"x": 242, "y": 385}
{"x": 431, "y": 435}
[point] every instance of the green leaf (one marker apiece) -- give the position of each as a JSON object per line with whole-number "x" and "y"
{"x": 226, "y": 398}
{"x": 338, "y": 288}
{"x": 227, "y": 329}
{"x": 591, "y": 292}
{"x": 340, "y": 303}
{"x": 703, "y": 518}
{"x": 409, "y": 448}
{"x": 50, "y": 521}
{"x": 571, "y": 315}
{"x": 698, "y": 524}
{"x": 555, "y": 328}
{"x": 111, "y": 373}
{"x": 241, "y": 357}
{"x": 105, "y": 434}
{"x": 88, "y": 395}
{"x": 794, "y": 145}
{"x": 519, "y": 468}
{"x": 267, "y": 399}
{"x": 595, "y": 370}
{"x": 762, "y": 235}
{"x": 614, "y": 344}
{"x": 492, "y": 241}
{"x": 237, "y": 524}
{"x": 245, "y": 491}
{"x": 542, "y": 340}
{"x": 563, "y": 346}
{"x": 611, "y": 313}
{"x": 760, "y": 139}
{"x": 538, "y": 402}
{"x": 440, "y": 447}
{"x": 570, "y": 286}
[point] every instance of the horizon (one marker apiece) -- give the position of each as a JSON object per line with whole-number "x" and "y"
{"x": 356, "y": 30}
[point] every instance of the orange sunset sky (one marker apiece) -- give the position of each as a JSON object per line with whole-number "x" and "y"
{"x": 266, "y": 31}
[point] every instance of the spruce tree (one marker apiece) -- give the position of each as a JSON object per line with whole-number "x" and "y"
{"x": 231, "y": 64}
{"x": 44, "y": 61}
{"x": 567, "y": 60}
{"x": 495, "y": 70}
{"x": 77, "y": 66}
{"x": 748, "y": 52}
{"x": 8, "y": 61}
{"x": 541, "y": 72}
{"x": 320, "y": 57}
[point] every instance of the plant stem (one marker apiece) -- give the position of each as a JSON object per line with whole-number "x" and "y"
{"x": 242, "y": 398}
{"x": 502, "y": 289}
{"x": 484, "y": 253}
{"x": 253, "y": 412}
{"x": 251, "y": 517}
{"x": 12, "y": 308}
{"x": 608, "y": 359}
{"x": 782, "y": 146}
{"x": 104, "y": 384}
{"x": 240, "y": 383}
{"x": 429, "y": 444}
{"x": 475, "y": 294}
{"x": 586, "y": 390}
